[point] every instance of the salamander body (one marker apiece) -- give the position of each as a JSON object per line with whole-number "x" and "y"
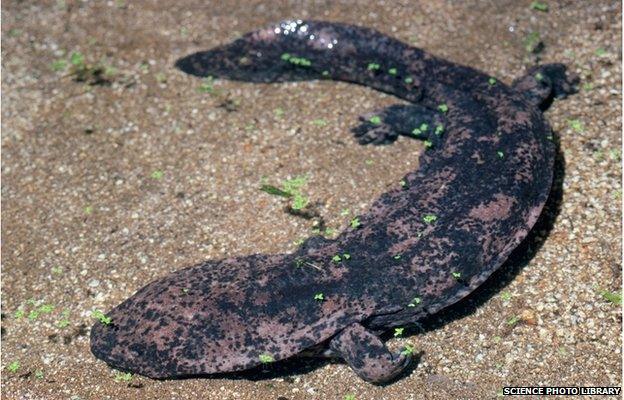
{"x": 480, "y": 186}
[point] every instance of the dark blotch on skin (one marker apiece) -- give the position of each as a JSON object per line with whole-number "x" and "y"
{"x": 476, "y": 194}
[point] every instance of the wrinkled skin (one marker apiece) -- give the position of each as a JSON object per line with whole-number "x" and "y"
{"x": 421, "y": 247}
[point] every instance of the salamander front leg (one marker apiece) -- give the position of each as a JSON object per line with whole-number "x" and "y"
{"x": 367, "y": 355}
{"x": 385, "y": 125}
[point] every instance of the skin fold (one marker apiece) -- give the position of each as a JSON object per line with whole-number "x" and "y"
{"x": 481, "y": 184}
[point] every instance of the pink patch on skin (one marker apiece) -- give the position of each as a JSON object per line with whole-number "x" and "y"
{"x": 490, "y": 138}
{"x": 273, "y": 329}
{"x": 261, "y": 299}
{"x": 497, "y": 209}
{"x": 534, "y": 214}
{"x": 265, "y": 35}
{"x": 404, "y": 245}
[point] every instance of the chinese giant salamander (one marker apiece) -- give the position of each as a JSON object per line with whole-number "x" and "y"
{"x": 481, "y": 184}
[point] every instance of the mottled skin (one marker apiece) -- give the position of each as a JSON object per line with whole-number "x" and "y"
{"x": 421, "y": 247}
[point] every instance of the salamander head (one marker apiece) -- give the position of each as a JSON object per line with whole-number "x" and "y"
{"x": 543, "y": 83}
{"x": 266, "y": 55}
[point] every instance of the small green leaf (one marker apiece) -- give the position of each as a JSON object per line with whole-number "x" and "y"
{"x": 415, "y": 301}
{"x": 39, "y": 374}
{"x": 443, "y": 108}
{"x": 293, "y": 185}
{"x": 349, "y": 397}
{"x": 99, "y": 315}
{"x": 539, "y": 77}
{"x": 513, "y": 320}
{"x": 615, "y": 154}
{"x": 408, "y": 350}
{"x": 123, "y": 377}
{"x": 63, "y": 323}
{"x": 409, "y": 80}
{"x": 587, "y": 86}
{"x": 336, "y": 258}
{"x": 492, "y": 81}
{"x": 539, "y": 6}
{"x": 397, "y": 256}
{"x": 439, "y": 129}
{"x": 506, "y": 296}
{"x": 88, "y": 209}
{"x": 428, "y": 144}
{"x": 398, "y": 332}
{"x": 576, "y": 125}
{"x": 57, "y": 270}
{"x": 158, "y": 174}
{"x": 160, "y": 77}
{"x": 613, "y": 297}
{"x": 402, "y": 183}
{"x": 319, "y": 297}
{"x": 375, "y": 120}
{"x": 110, "y": 71}
{"x": 355, "y": 223}
{"x": 77, "y": 59}
{"x": 46, "y": 308}
{"x": 600, "y": 52}
{"x": 294, "y": 60}
{"x": 270, "y": 189}
{"x": 456, "y": 275}
{"x": 13, "y": 367}
{"x": 392, "y": 71}
{"x": 429, "y": 218}
{"x": 346, "y": 256}
{"x": 423, "y": 127}
{"x": 319, "y": 122}
{"x": 345, "y": 212}
{"x": 33, "y": 315}
{"x": 500, "y": 154}
{"x": 299, "y": 202}
{"x": 300, "y": 61}
{"x": 59, "y": 65}
{"x": 533, "y": 43}
{"x": 207, "y": 85}
{"x": 373, "y": 67}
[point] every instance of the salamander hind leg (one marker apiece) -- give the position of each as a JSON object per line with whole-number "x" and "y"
{"x": 367, "y": 355}
{"x": 384, "y": 126}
